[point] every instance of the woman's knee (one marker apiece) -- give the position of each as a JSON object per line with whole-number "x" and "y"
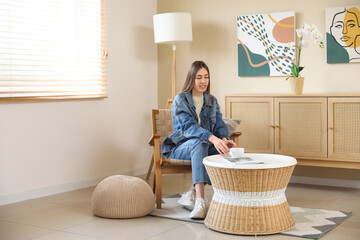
{"x": 196, "y": 142}
{"x": 199, "y": 146}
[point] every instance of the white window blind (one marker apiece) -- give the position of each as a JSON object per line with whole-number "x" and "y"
{"x": 52, "y": 49}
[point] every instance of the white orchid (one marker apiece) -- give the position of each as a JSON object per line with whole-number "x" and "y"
{"x": 303, "y": 43}
{"x": 316, "y": 34}
{"x": 301, "y": 33}
{"x": 317, "y": 41}
{"x": 307, "y": 28}
{"x": 319, "y": 36}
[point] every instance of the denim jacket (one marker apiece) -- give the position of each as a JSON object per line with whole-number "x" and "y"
{"x": 186, "y": 124}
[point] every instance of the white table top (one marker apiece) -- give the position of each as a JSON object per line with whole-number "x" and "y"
{"x": 270, "y": 161}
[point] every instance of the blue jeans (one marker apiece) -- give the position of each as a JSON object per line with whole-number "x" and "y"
{"x": 195, "y": 150}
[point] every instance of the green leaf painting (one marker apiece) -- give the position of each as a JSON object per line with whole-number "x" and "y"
{"x": 262, "y": 41}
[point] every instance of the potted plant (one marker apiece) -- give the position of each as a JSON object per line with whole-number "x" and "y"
{"x": 296, "y": 81}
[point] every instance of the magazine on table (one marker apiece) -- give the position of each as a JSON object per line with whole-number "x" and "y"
{"x": 242, "y": 160}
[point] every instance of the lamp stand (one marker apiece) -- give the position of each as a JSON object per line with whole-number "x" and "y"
{"x": 169, "y": 103}
{"x": 170, "y": 100}
{"x": 174, "y": 71}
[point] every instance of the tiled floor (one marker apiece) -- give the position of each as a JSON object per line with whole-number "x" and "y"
{"x": 67, "y": 216}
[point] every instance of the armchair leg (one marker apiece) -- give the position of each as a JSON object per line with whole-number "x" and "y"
{"x": 150, "y": 167}
{"x": 154, "y": 183}
{"x": 158, "y": 188}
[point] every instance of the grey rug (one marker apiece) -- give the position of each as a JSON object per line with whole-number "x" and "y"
{"x": 309, "y": 223}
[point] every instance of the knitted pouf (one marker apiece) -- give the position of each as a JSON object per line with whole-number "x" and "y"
{"x": 121, "y": 196}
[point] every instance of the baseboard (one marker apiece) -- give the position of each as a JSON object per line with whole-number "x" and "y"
{"x": 43, "y": 192}
{"x": 51, "y": 190}
{"x": 333, "y": 182}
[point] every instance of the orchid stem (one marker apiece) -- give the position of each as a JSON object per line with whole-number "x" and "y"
{"x": 298, "y": 59}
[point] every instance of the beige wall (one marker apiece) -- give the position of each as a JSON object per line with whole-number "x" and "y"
{"x": 214, "y": 41}
{"x": 47, "y": 147}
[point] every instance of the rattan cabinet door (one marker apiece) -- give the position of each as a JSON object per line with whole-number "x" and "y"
{"x": 344, "y": 128}
{"x": 256, "y": 115}
{"x": 301, "y": 126}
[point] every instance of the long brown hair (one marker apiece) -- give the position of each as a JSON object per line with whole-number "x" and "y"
{"x": 191, "y": 76}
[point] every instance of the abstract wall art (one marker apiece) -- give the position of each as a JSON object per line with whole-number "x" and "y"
{"x": 262, "y": 41}
{"x": 343, "y": 34}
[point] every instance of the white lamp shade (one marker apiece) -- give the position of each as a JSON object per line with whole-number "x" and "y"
{"x": 172, "y": 27}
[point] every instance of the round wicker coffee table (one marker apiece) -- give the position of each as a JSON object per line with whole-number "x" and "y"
{"x": 249, "y": 199}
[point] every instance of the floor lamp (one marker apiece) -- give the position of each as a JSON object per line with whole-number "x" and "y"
{"x": 172, "y": 28}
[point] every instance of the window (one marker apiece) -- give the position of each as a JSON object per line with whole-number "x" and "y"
{"x": 52, "y": 49}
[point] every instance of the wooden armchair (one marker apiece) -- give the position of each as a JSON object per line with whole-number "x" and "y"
{"x": 162, "y": 127}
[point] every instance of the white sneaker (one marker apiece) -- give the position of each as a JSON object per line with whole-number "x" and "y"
{"x": 187, "y": 200}
{"x": 199, "y": 211}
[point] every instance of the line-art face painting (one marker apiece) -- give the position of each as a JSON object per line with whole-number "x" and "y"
{"x": 343, "y": 34}
{"x": 262, "y": 40}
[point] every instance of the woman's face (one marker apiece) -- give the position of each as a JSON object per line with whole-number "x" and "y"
{"x": 351, "y": 29}
{"x": 201, "y": 82}
{"x": 345, "y": 29}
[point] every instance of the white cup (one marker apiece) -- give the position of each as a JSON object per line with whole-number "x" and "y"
{"x": 236, "y": 152}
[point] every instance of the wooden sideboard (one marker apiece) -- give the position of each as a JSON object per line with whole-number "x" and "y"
{"x": 317, "y": 129}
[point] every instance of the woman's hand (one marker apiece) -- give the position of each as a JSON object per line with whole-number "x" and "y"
{"x": 222, "y": 145}
{"x": 229, "y": 143}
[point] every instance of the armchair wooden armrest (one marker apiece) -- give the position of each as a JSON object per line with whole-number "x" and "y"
{"x": 235, "y": 137}
{"x": 151, "y": 140}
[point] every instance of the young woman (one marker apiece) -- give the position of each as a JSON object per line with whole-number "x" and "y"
{"x": 199, "y": 131}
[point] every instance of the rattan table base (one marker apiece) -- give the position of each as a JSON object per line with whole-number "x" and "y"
{"x": 249, "y": 220}
{"x": 249, "y": 201}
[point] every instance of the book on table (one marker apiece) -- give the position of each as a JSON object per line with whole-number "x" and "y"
{"x": 242, "y": 160}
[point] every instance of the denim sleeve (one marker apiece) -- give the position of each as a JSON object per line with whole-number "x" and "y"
{"x": 189, "y": 127}
{"x": 221, "y": 129}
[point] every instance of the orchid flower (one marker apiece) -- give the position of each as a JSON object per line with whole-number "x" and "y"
{"x": 303, "y": 31}
{"x": 307, "y": 28}
{"x": 303, "y": 43}
{"x": 300, "y": 32}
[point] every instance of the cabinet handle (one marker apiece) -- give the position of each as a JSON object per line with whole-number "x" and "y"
{"x": 272, "y": 126}
{"x": 331, "y": 128}
{"x": 277, "y": 126}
